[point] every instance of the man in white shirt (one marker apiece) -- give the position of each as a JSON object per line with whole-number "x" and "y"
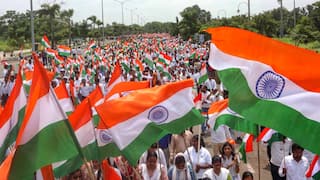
{"x": 211, "y": 83}
{"x": 217, "y": 172}
{"x": 295, "y": 165}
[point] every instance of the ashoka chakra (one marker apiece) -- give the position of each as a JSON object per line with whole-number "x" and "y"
{"x": 270, "y": 85}
{"x": 158, "y": 114}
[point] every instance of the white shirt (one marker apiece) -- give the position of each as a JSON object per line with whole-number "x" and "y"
{"x": 295, "y": 170}
{"x": 202, "y": 157}
{"x": 221, "y": 134}
{"x": 279, "y": 150}
{"x": 224, "y": 174}
{"x": 161, "y": 158}
{"x": 211, "y": 84}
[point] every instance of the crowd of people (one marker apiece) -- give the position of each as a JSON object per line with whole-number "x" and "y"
{"x": 175, "y": 156}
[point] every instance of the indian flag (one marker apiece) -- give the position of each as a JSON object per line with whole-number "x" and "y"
{"x": 64, "y": 98}
{"x": 314, "y": 168}
{"x": 203, "y": 73}
{"x": 64, "y": 50}
{"x": 51, "y": 52}
{"x": 148, "y": 60}
{"x": 270, "y": 83}
{"x": 45, "y": 41}
{"x": 45, "y": 173}
{"x": 228, "y": 117}
{"x": 95, "y": 98}
{"x": 124, "y": 87}
{"x": 92, "y": 45}
{"x": 82, "y": 124}
{"x": 165, "y": 58}
{"x": 169, "y": 109}
{"x": 266, "y": 135}
{"x": 11, "y": 117}
{"x": 45, "y": 135}
{"x": 115, "y": 77}
{"x": 246, "y": 146}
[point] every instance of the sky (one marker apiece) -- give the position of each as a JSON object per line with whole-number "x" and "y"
{"x": 143, "y": 11}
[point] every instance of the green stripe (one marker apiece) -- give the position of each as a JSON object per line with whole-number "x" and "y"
{"x": 203, "y": 78}
{"x": 236, "y": 123}
{"x": 125, "y": 67}
{"x": 153, "y": 133}
{"x": 64, "y": 53}
{"x": 109, "y": 150}
{"x": 51, "y": 144}
{"x": 90, "y": 152}
{"x": 316, "y": 176}
{"x": 148, "y": 62}
{"x": 275, "y": 115}
{"x": 12, "y": 136}
{"x": 242, "y": 150}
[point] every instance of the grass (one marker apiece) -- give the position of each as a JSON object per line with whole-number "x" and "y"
{"x": 315, "y": 46}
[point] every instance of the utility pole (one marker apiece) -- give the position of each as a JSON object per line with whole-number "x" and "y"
{"x": 281, "y": 19}
{"x": 32, "y": 26}
{"x": 102, "y": 20}
{"x": 249, "y": 9}
{"x": 294, "y": 13}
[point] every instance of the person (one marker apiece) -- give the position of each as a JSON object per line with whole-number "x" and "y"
{"x": 230, "y": 160}
{"x": 124, "y": 167}
{"x": 294, "y": 166}
{"x": 279, "y": 148}
{"x": 181, "y": 169}
{"x": 151, "y": 170}
{"x": 164, "y": 143}
{"x": 179, "y": 143}
{"x": 200, "y": 158}
{"x": 247, "y": 175}
{"x": 75, "y": 175}
{"x": 217, "y": 172}
{"x": 160, "y": 155}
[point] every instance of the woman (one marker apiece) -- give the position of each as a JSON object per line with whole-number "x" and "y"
{"x": 200, "y": 158}
{"x": 152, "y": 170}
{"x": 181, "y": 169}
{"x": 217, "y": 172}
{"x": 230, "y": 160}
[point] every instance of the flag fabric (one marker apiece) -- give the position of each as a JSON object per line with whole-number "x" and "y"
{"x": 109, "y": 172}
{"x": 228, "y": 117}
{"x": 197, "y": 101}
{"x": 115, "y": 77}
{"x": 92, "y": 45}
{"x": 148, "y": 60}
{"x": 124, "y": 87}
{"x": 5, "y": 166}
{"x": 269, "y": 84}
{"x": 45, "y": 173}
{"x": 64, "y": 50}
{"x": 166, "y": 59}
{"x": 64, "y": 98}
{"x": 168, "y": 109}
{"x": 11, "y": 117}
{"x": 45, "y": 41}
{"x": 246, "y": 146}
{"x": 266, "y": 135}
{"x": 81, "y": 122}
{"x": 95, "y": 98}
{"x": 314, "y": 168}
{"x": 203, "y": 74}
{"x": 45, "y": 131}
{"x": 51, "y": 52}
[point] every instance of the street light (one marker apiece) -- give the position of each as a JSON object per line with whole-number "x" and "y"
{"x": 224, "y": 11}
{"x": 131, "y": 13}
{"x": 32, "y": 26}
{"x": 247, "y": 3}
{"x": 294, "y": 13}
{"x": 102, "y": 20}
{"x": 121, "y": 3}
{"x": 281, "y": 18}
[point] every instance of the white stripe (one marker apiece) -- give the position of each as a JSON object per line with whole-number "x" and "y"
{"x": 268, "y": 135}
{"x": 316, "y": 168}
{"x": 118, "y": 80}
{"x": 45, "y": 113}
{"x": 85, "y": 134}
{"x": 66, "y": 104}
{"x": 19, "y": 103}
{"x": 245, "y": 138}
{"x": 309, "y": 102}
{"x": 178, "y": 105}
{"x": 103, "y": 141}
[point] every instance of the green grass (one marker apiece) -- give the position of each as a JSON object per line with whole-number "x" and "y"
{"x": 315, "y": 46}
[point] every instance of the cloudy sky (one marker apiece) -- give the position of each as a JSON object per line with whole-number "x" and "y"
{"x": 141, "y": 11}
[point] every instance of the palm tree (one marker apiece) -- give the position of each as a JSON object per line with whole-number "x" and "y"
{"x": 93, "y": 20}
{"x": 66, "y": 15}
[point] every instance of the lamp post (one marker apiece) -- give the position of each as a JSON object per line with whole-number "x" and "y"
{"x": 102, "y": 20}
{"x": 294, "y": 13}
{"x": 281, "y": 19}
{"x": 32, "y": 26}
{"x": 131, "y": 13}
{"x": 249, "y": 9}
{"x": 121, "y": 3}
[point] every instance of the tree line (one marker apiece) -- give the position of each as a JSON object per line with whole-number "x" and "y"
{"x": 57, "y": 24}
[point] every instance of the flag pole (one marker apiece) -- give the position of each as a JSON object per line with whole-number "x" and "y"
{"x": 258, "y": 147}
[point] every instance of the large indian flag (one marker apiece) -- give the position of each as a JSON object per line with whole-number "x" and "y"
{"x": 270, "y": 83}
{"x": 168, "y": 109}
{"x": 11, "y": 117}
{"x": 45, "y": 135}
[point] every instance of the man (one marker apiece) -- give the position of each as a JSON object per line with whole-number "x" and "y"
{"x": 179, "y": 143}
{"x": 295, "y": 165}
{"x": 217, "y": 172}
{"x": 280, "y": 147}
